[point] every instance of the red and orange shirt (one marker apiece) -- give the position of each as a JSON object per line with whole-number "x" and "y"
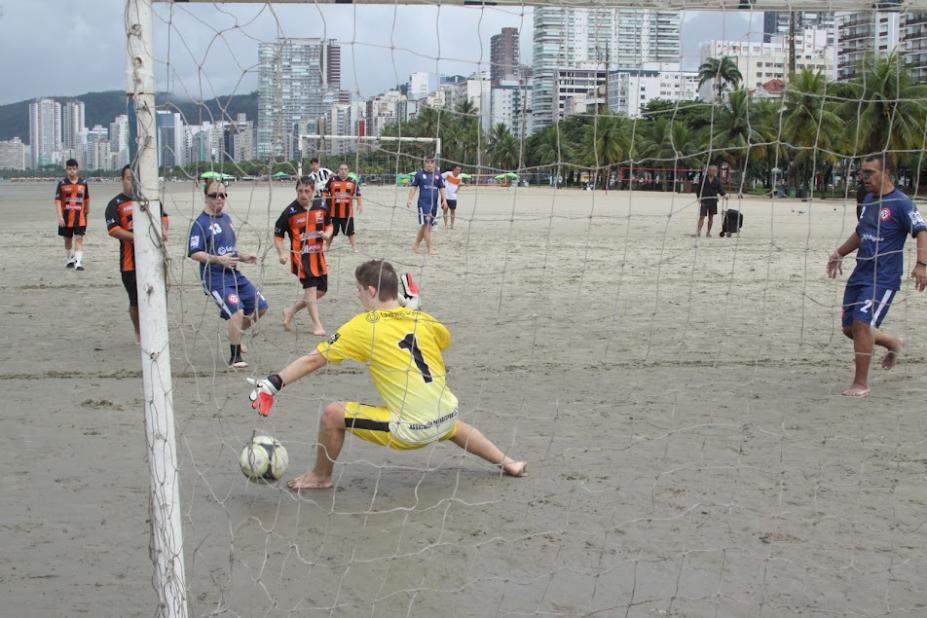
{"x": 341, "y": 196}
{"x": 119, "y": 217}
{"x": 305, "y": 229}
{"x": 74, "y": 198}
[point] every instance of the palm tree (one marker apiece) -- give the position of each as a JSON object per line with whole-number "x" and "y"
{"x": 503, "y": 148}
{"x": 606, "y": 143}
{"x": 738, "y": 130}
{"x": 810, "y": 127}
{"x": 669, "y": 144}
{"x": 889, "y": 110}
{"x": 723, "y": 70}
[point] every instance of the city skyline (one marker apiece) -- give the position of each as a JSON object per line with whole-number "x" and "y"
{"x": 381, "y": 45}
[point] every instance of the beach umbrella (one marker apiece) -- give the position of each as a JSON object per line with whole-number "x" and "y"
{"x": 281, "y": 175}
{"x": 507, "y": 176}
{"x": 210, "y": 175}
{"x": 353, "y": 176}
{"x": 466, "y": 176}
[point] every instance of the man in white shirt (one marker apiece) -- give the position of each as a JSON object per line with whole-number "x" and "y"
{"x": 321, "y": 176}
{"x": 451, "y": 183}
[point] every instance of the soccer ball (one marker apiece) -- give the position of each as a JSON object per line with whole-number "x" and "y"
{"x": 263, "y": 460}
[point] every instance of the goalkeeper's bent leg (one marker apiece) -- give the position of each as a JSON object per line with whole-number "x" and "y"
{"x": 470, "y": 439}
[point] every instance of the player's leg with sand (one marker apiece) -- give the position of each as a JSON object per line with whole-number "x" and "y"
{"x": 865, "y": 338}
{"x": 332, "y": 430}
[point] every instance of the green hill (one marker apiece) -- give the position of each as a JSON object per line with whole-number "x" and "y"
{"x": 103, "y": 107}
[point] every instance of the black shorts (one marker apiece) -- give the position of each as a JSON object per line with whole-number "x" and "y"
{"x": 128, "y": 280}
{"x": 319, "y": 283}
{"x": 709, "y": 207}
{"x": 345, "y": 224}
{"x": 452, "y": 204}
{"x": 68, "y": 231}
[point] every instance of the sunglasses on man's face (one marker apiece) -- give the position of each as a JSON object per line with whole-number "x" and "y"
{"x": 216, "y": 195}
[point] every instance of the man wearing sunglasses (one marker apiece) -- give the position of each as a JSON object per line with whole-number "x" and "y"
{"x": 212, "y": 243}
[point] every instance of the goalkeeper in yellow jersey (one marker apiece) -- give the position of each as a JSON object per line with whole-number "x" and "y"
{"x": 402, "y": 350}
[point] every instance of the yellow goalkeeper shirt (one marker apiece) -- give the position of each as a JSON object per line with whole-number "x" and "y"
{"x": 402, "y": 351}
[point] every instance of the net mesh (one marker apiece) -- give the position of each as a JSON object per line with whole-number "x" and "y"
{"x": 676, "y": 397}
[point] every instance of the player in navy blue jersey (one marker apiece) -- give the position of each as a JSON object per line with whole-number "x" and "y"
{"x": 212, "y": 243}
{"x": 887, "y": 217}
{"x": 431, "y": 193}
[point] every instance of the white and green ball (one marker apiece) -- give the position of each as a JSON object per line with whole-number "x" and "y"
{"x": 263, "y": 460}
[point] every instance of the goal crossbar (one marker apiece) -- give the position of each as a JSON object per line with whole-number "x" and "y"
{"x": 707, "y": 5}
{"x": 372, "y": 138}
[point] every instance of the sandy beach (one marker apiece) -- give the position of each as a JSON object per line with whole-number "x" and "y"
{"x": 677, "y": 400}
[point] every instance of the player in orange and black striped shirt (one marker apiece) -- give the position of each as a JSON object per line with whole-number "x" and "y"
{"x": 306, "y": 221}
{"x": 342, "y": 191}
{"x": 119, "y": 226}
{"x": 72, "y": 201}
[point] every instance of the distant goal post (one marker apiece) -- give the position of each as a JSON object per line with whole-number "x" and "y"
{"x": 368, "y": 148}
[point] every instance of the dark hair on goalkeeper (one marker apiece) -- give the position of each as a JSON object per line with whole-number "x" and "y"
{"x": 380, "y": 275}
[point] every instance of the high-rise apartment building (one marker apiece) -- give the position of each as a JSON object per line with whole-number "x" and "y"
{"x": 862, "y": 34}
{"x": 298, "y": 79}
{"x": 776, "y": 23}
{"x": 72, "y": 123}
{"x": 12, "y": 155}
{"x": 645, "y": 37}
{"x": 44, "y": 131}
{"x": 503, "y": 56}
{"x": 598, "y": 39}
{"x": 419, "y": 86}
{"x": 759, "y": 63}
{"x": 914, "y": 41}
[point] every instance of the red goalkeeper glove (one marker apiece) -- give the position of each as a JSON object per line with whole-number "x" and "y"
{"x": 262, "y": 397}
{"x": 408, "y": 292}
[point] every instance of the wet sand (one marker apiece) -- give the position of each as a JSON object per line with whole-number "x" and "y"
{"x": 677, "y": 399}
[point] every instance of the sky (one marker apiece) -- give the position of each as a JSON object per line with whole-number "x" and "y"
{"x": 204, "y": 50}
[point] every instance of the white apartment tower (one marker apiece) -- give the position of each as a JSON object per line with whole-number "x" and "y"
{"x": 298, "y": 79}
{"x": 861, "y": 34}
{"x": 72, "y": 123}
{"x": 44, "y": 131}
{"x": 596, "y": 39}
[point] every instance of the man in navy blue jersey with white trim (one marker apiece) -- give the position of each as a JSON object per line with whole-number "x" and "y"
{"x": 887, "y": 217}
{"x": 431, "y": 194}
{"x": 213, "y": 244}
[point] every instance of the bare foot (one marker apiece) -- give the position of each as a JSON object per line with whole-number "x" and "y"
{"x": 309, "y": 481}
{"x": 515, "y": 468}
{"x": 856, "y": 390}
{"x": 319, "y": 332}
{"x": 287, "y": 320}
{"x": 414, "y": 248}
{"x": 244, "y": 348}
{"x": 892, "y": 357}
{"x": 432, "y": 252}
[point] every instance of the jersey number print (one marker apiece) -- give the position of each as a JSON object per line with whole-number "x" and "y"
{"x": 408, "y": 343}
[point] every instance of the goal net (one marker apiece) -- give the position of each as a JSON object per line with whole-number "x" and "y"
{"x": 672, "y": 378}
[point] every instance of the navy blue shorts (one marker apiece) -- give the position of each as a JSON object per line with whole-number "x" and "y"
{"x": 233, "y": 292}
{"x": 427, "y": 214}
{"x": 867, "y": 303}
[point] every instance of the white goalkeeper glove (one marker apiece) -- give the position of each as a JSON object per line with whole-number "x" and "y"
{"x": 408, "y": 292}
{"x": 262, "y": 397}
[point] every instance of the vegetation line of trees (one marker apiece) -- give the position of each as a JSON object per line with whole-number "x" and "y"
{"x": 807, "y": 137}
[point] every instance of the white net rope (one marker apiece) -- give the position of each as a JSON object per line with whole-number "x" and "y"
{"x": 677, "y": 397}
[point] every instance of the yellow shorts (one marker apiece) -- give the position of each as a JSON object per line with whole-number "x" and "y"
{"x": 371, "y": 423}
